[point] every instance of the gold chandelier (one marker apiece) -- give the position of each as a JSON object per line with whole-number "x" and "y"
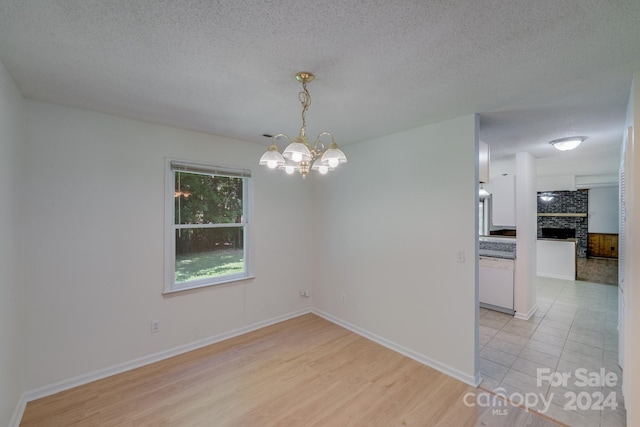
{"x": 300, "y": 155}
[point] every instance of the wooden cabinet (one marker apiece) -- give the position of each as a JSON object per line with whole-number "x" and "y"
{"x": 603, "y": 245}
{"x": 503, "y": 201}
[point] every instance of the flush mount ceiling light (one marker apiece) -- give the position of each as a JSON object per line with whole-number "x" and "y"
{"x": 566, "y": 144}
{"x": 300, "y": 155}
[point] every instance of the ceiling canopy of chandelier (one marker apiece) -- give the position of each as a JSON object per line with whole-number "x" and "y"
{"x": 300, "y": 155}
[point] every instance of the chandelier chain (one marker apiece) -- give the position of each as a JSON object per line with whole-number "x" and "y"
{"x": 305, "y": 100}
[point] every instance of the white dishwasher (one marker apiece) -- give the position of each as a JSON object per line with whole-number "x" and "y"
{"x": 496, "y": 284}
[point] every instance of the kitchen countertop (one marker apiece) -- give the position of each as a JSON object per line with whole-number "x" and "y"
{"x": 496, "y": 254}
{"x": 497, "y": 238}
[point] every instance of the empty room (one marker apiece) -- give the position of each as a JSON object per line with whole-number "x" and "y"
{"x": 333, "y": 213}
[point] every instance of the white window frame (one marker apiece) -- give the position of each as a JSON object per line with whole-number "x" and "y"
{"x": 171, "y": 165}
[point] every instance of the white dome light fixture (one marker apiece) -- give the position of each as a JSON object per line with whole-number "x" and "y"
{"x": 299, "y": 154}
{"x": 566, "y": 144}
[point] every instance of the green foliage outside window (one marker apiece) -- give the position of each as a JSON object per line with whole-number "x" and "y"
{"x": 202, "y": 199}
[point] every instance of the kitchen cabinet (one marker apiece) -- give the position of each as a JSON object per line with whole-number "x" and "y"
{"x": 495, "y": 284}
{"x": 483, "y": 162}
{"x": 503, "y": 201}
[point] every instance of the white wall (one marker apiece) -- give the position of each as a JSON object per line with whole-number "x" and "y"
{"x": 556, "y": 183}
{"x": 567, "y": 173}
{"x": 603, "y": 210}
{"x": 525, "y": 290}
{"x": 388, "y": 230}
{"x": 11, "y": 284}
{"x": 631, "y": 271}
{"x": 94, "y": 206}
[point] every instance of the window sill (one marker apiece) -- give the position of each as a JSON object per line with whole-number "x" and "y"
{"x": 207, "y": 285}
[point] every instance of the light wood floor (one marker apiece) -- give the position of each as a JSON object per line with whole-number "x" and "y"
{"x": 302, "y": 372}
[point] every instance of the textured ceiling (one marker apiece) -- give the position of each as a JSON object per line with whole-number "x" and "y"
{"x": 534, "y": 70}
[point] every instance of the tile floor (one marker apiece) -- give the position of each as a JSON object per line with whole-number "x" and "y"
{"x": 574, "y": 327}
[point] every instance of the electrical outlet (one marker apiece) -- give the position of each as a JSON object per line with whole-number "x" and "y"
{"x": 343, "y": 298}
{"x": 305, "y": 293}
{"x": 155, "y": 326}
{"x": 460, "y": 255}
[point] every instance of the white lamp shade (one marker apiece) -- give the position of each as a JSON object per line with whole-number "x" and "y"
{"x": 289, "y": 166}
{"x": 297, "y": 152}
{"x": 333, "y": 156}
{"x": 272, "y": 159}
{"x": 321, "y": 167}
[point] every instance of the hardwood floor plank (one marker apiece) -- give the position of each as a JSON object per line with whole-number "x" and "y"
{"x": 302, "y": 372}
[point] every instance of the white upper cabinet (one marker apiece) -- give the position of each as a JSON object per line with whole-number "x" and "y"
{"x": 483, "y": 162}
{"x": 503, "y": 201}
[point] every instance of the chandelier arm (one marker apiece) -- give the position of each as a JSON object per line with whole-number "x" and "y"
{"x": 326, "y": 133}
{"x": 319, "y": 141}
{"x": 273, "y": 140}
{"x": 318, "y": 146}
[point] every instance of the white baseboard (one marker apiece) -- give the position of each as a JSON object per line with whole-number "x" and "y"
{"x": 527, "y": 315}
{"x": 473, "y": 381}
{"x": 16, "y": 417}
{"x": 66, "y": 384}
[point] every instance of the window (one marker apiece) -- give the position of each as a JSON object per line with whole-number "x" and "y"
{"x": 207, "y": 225}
